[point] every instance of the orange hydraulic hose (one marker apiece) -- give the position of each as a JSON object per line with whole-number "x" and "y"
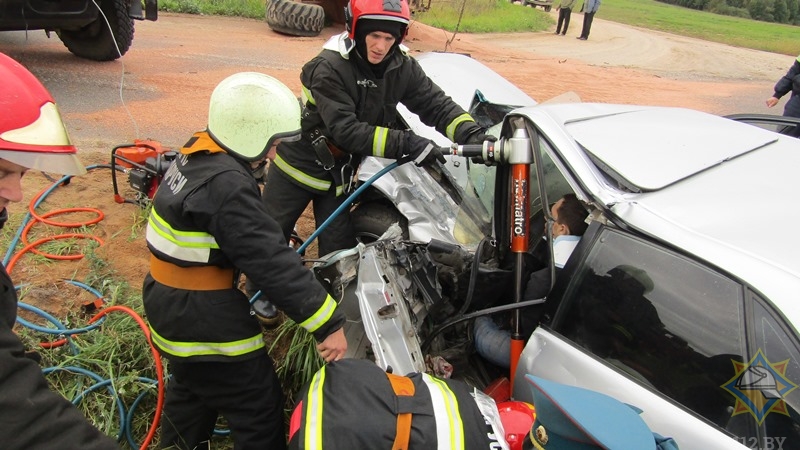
{"x": 159, "y": 367}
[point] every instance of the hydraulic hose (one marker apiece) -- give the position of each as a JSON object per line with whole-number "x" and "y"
{"x": 9, "y": 261}
{"x": 346, "y": 204}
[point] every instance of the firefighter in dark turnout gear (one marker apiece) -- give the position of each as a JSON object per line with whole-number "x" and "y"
{"x": 351, "y": 91}
{"x": 206, "y": 226}
{"x": 31, "y": 415}
{"x": 354, "y": 404}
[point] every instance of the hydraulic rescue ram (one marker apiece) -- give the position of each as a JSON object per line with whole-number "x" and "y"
{"x": 517, "y": 153}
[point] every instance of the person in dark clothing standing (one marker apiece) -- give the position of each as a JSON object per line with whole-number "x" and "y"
{"x": 351, "y": 91}
{"x": 208, "y": 225}
{"x": 589, "y": 8}
{"x": 31, "y": 415}
{"x": 564, "y": 14}
{"x": 789, "y": 83}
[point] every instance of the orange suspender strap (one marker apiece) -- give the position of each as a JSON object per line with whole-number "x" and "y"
{"x": 402, "y": 386}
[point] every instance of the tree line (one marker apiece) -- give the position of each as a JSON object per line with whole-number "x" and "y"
{"x": 779, "y": 11}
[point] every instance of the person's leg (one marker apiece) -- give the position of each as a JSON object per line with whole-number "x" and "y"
{"x": 587, "y": 20}
{"x": 491, "y": 342}
{"x": 249, "y": 397}
{"x": 339, "y": 233}
{"x": 567, "y": 14}
{"x": 284, "y": 200}
{"x": 560, "y": 20}
{"x": 186, "y": 422}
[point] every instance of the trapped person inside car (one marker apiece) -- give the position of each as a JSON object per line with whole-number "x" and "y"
{"x": 31, "y": 415}
{"x": 351, "y": 91}
{"x": 789, "y": 83}
{"x": 493, "y": 341}
{"x": 207, "y": 225}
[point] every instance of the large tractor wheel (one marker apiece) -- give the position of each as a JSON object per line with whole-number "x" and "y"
{"x": 295, "y": 18}
{"x": 101, "y": 41}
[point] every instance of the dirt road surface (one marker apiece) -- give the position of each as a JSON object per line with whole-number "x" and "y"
{"x": 159, "y": 90}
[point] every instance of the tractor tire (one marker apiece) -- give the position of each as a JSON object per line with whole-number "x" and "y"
{"x": 370, "y": 220}
{"x": 295, "y": 18}
{"x": 101, "y": 41}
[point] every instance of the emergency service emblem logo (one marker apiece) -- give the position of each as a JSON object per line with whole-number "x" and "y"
{"x": 760, "y": 387}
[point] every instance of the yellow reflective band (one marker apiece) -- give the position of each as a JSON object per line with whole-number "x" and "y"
{"x": 309, "y": 97}
{"x": 339, "y": 190}
{"x": 321, "y": 316}
{"x": 449, "y": 426}
{"x": 379, "y": 142}
{"x": 187, "y": 349}
{"x": 314, "y": 183}
{"x": 313, "y": 434}
{"x": 193, "y": 246}
{"x": 451, "y": 129}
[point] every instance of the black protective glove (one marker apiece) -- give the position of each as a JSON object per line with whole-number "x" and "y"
{"x": 479, "y": 136}
{"x": 420, "y": 150}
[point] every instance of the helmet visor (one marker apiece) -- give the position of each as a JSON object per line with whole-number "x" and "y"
{"x": 63, "y": 163}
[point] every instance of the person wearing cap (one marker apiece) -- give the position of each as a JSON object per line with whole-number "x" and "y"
{"x": 32, "y": 136}
{"x": 789, "y": 83}
{"x": 573, "y": 418}
{"x": 351, "y": 91}
{"x": 207, "y": 225}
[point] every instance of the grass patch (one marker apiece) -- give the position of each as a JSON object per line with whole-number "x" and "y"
{"x": 254, "y": 9}
{"x": 482, "y": 16}
{"x": 739, "y": 32}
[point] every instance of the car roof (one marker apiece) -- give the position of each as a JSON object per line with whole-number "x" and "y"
{"x": 718, "y": 189}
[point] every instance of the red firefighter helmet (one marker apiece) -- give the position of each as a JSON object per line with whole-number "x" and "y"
{"x": 392, "y": 10}
{"x": 32, "y": 133}
{"x": 517, "y": 418}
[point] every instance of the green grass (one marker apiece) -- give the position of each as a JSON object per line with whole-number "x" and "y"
{"x": 254, "y": 9}
{"x": 482, "y": 16}
{"x": 650, "y": 14}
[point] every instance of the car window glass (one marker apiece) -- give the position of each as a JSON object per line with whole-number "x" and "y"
{"x": 766, "y": 385}
{"x": 555, "y": 183}
{"x": 660, "y": 318}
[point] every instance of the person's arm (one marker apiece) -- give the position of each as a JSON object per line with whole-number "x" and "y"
{"x": 231, "y": 209}
{"x": 334, "y": 101}
{"x": 435, "y": 108}
{"x": 31, "y": 415}
{"x": 784, "y": 84}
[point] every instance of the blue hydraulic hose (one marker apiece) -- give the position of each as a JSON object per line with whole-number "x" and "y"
{"x": 346, "y": 204}
{"x": 100, "y": 382}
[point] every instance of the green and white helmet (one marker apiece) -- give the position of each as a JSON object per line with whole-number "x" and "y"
{"x": 249, "y": 112}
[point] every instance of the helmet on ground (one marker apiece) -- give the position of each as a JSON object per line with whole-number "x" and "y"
{"x": 32, "y": 133}
{"x": 249, "y": 112}
{"x": 395, "y": 13}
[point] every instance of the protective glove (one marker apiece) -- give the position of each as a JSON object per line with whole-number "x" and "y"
{"x": 266, "y": 313}
{"x": 478, "y": 136}
{"x": 420, "y": 150}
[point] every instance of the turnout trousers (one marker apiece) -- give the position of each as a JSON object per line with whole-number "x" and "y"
{"x": 246, "y": 393}
{"x": 286, "y": 201}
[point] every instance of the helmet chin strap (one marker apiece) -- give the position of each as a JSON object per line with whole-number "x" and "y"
{"x": 3, "y": 217}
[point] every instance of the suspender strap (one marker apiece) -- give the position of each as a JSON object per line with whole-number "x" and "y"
{"x": 402, "y": 386}
{"x": 199, "y": 278}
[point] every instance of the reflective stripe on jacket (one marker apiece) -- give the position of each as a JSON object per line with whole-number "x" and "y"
{"x": 208, "y": 212}
{"x": 352, "y": 404}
